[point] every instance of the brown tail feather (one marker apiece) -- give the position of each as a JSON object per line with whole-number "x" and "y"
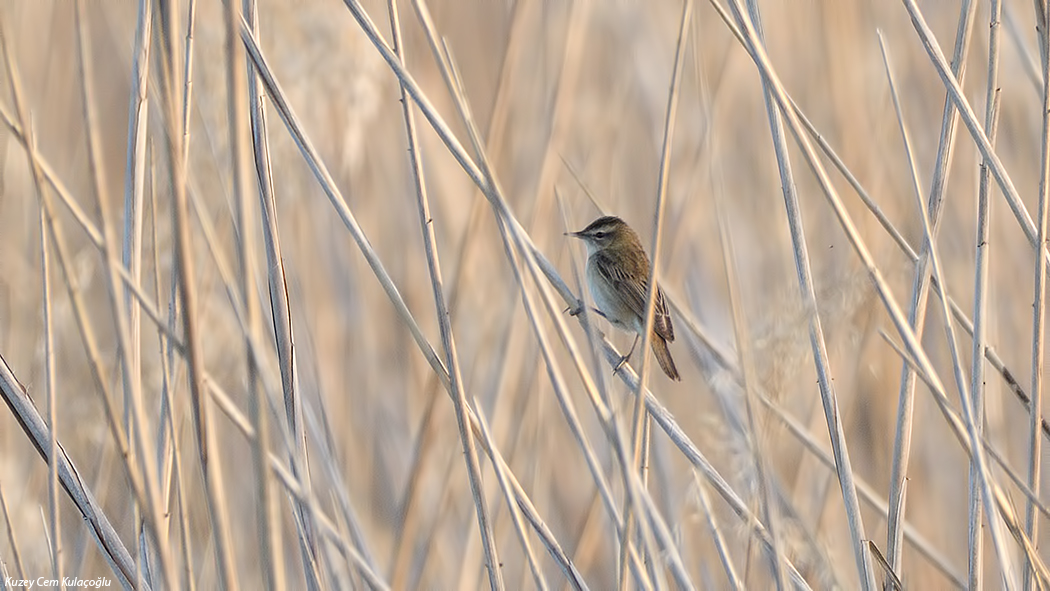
{"x": 663, "y": 356}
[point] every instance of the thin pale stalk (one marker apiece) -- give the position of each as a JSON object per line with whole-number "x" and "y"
{"x": 508, "y": 497}
{"x": 664, "y": 537}
{"x": 318, "y": 423}
{"x": 134, "y": 185}
{"x": 12, "y": 539}
{"x": 279, "y": 303}
{"x": 143, "y": 568}
{"x": 187, "y": 79}
{"x": 920, "y": 294}
{"x": 749, "y": 376}
{"x": 587, "y": 544}
{"x": 1043, "y": 38}
{"x": 980, "y": 298}
{"x": 869, "y": 203}
{"x": 514, "y": 393}
{"x": 359, "y": 559}
{"x": 561, "y": 116}
{"x": 717, "y": 538}
{"x": 573, "y": 576}
{"x": 748, "y": 380}
{"x": 640, "y": 417}
{"x": 409, "y": 512}
{"x": 492, "y": 564}
{"x": 1028, "y": 63}
{"x": 655, "y": 574}
{"x": 267, "y": 510}
{"x": 172, "y": 476}
{"x": 54, "y": 523}
{"x": 205, "y": 434}
{"x": 822, "y": 363}
{"x": 103, "y": 482}
{"x": 429, "y": 540}
{"x": 1039, "y": 306}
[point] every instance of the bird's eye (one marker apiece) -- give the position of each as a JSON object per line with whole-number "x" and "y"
{"x": 599, "y": 234}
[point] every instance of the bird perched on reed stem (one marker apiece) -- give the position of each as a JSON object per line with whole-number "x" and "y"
{"x": 617, "y": 275}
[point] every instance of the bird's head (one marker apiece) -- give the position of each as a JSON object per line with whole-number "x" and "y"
{"x": 607, "y": 232}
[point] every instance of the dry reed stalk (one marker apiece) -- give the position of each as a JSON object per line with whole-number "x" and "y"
{"x": 752, "y": 433}
{"x": 984, "y": 477}
{"x": 920, "y": 291}
{"x": 493, "y": 566}
{"x": 828, "y": 396}
{"x": 1039, "y": 307}
{"x": 640, "y": 419}
{"x": 211, "y": 463}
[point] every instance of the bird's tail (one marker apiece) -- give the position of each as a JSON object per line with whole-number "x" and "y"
{"x": 663, "y": 356}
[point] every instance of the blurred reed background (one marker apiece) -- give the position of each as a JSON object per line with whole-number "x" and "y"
{"x": 254, "y": 402}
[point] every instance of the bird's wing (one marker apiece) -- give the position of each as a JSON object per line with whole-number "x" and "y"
{"x": 632, "y": 289}
{"x": 662, "y": 317}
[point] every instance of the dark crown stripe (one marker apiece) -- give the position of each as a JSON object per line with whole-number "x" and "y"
{"x": 603, "y": 223}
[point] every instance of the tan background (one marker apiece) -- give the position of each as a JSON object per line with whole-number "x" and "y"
{"x": 602, "y": 110}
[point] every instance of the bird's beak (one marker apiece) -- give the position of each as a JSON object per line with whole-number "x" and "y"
{"x": 573, "y": 234}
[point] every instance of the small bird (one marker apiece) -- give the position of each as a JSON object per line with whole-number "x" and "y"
{"x": 618, "y": 275}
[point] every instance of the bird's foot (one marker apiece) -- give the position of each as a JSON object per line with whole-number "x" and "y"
{"x": 579, "y": 308}
{"x": 621, "y": 363}
{"x": 575, "y": 310}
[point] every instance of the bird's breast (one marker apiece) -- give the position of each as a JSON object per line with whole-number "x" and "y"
{"x": 609, "y": 300}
